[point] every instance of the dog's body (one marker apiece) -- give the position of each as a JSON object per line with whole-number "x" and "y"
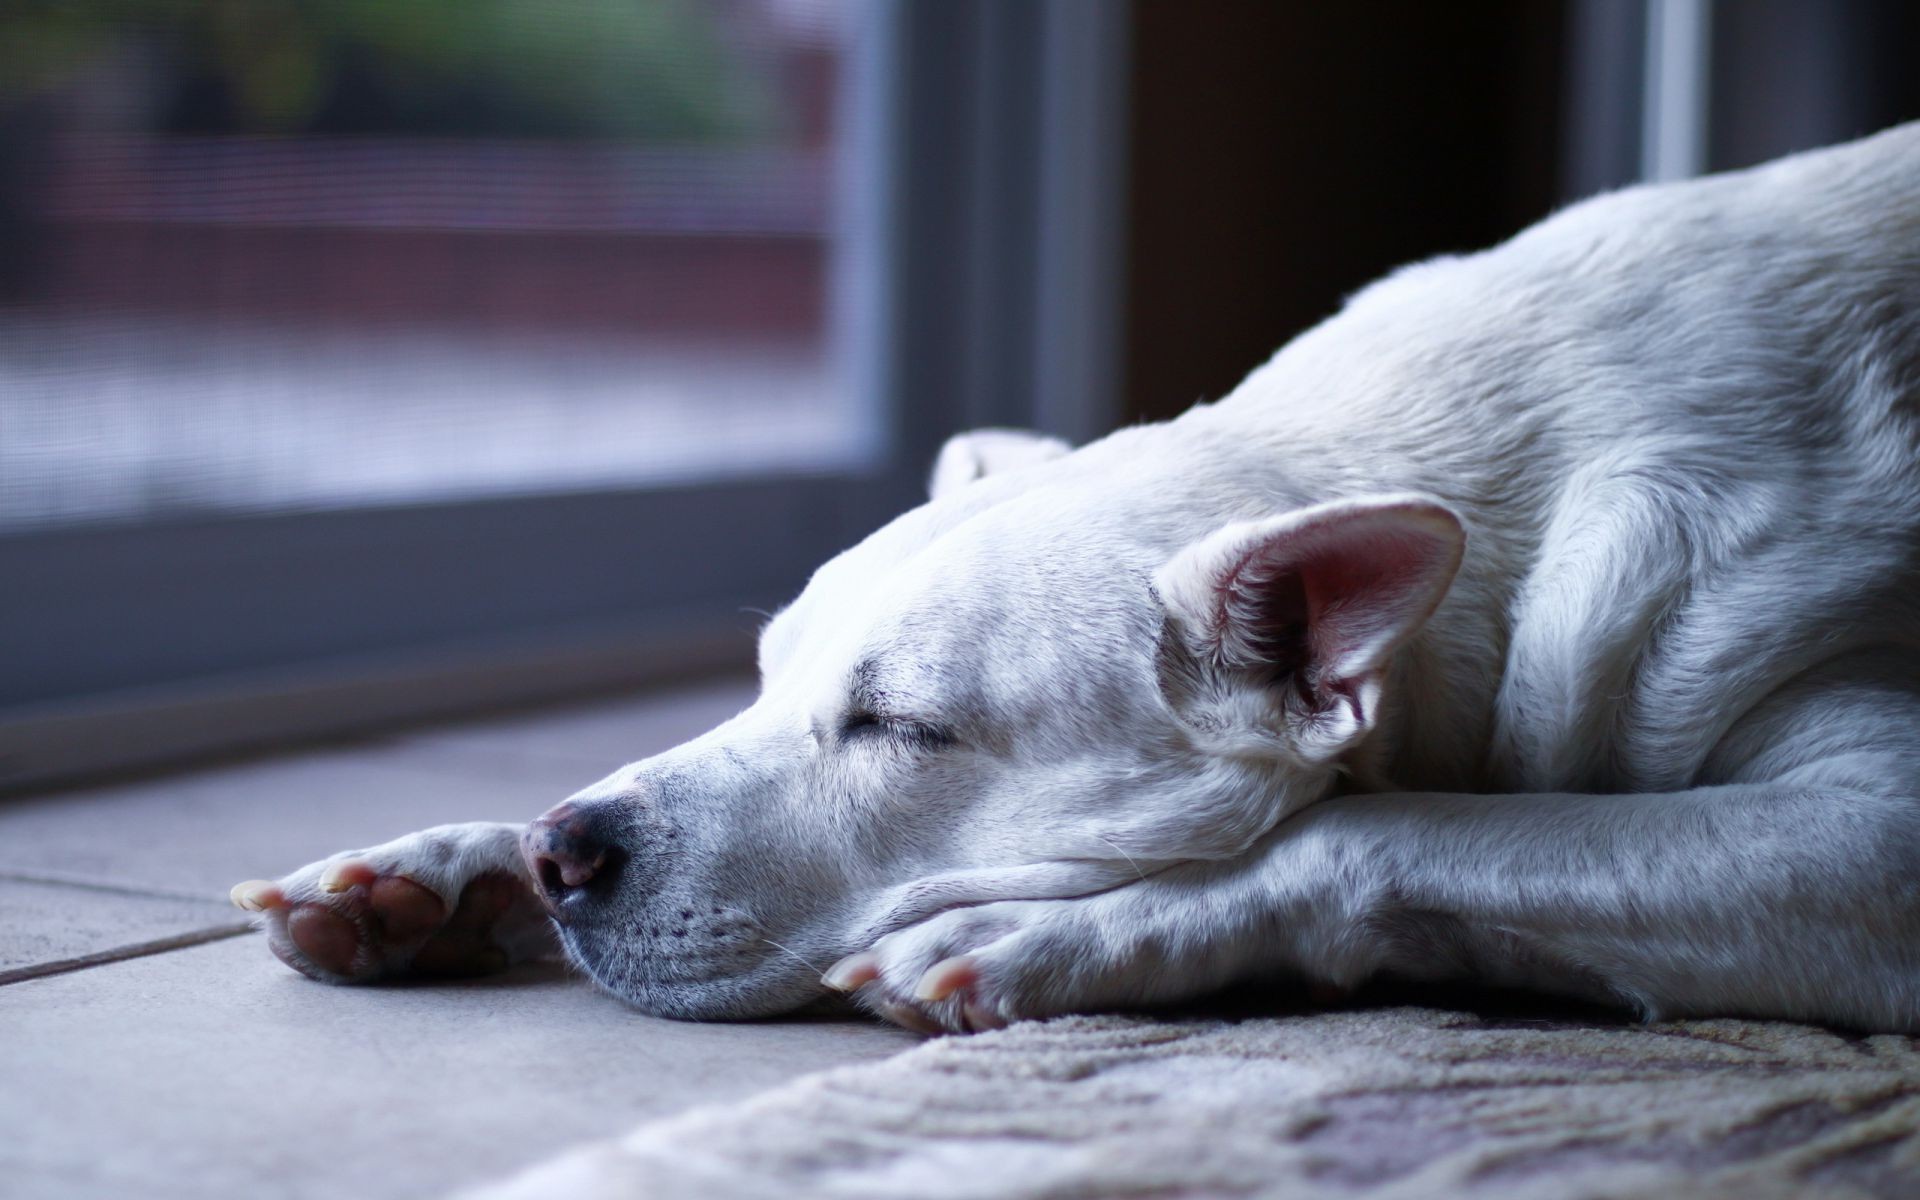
{"x": 1546, "y": 618}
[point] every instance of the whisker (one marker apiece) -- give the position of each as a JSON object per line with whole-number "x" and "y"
{"x": 794, "y": 956}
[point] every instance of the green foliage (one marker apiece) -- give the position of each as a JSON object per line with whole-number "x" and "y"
{"x": 654, "y": 70}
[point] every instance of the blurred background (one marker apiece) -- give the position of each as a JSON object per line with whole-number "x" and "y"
{"x": 366, "y": 362}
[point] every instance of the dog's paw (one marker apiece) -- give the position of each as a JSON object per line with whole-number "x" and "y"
{"x": 444, "y": 902}
{"x": 984, "y": 967}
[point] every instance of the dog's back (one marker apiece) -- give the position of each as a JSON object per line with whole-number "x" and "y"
{"x": 1683, "y": 422}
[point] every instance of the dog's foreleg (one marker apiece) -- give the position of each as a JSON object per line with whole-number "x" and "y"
{"x": 1780, "y": 900}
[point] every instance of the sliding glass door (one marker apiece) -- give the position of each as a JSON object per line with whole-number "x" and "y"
{"x": 368, "y": 361}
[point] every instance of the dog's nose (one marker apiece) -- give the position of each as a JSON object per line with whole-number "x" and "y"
{"x": 567, "y": 849}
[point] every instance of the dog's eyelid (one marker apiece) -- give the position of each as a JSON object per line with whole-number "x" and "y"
{"x": 865, "y": 721}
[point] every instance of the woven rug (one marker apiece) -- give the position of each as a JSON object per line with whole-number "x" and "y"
{"x": 1395, "y": 1102}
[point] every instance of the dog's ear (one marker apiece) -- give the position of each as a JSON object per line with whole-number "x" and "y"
{"x": 970, "y": 456}
{"x": 1307, "y": 606}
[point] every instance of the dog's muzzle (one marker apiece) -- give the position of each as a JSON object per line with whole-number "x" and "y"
{"x": 571, "y": 854}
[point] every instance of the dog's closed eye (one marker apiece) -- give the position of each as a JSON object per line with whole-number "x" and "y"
{"x": 865, "y": 723}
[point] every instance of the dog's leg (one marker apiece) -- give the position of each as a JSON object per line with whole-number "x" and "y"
{"x": 1798, "y": 898}
{"x": 451, "y": 900}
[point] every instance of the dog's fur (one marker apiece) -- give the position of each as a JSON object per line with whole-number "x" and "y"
{"x": 1546, "y": 618}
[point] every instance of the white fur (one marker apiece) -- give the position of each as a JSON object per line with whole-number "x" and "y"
{"x": 1658, "y": 744}
{"x": 970, "y": 456}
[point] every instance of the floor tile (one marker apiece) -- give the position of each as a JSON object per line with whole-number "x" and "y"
{"x": 48, "y": 925}
{"x": 591, "y": 740}
{"x": 200, "y": 833}
{"x": 214, "y": 1071}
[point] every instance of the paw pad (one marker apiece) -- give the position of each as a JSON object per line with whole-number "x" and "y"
{"x": 357, "y": 924}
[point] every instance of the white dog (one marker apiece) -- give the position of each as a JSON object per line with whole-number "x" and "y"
{"x": 1549, "y": 617}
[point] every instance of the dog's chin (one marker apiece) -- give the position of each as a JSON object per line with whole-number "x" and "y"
{"x": 725, "y": 988}
{"x": 705, "y": 962}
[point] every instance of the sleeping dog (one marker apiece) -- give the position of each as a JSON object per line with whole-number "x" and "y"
{"x": 1549, "y": 617}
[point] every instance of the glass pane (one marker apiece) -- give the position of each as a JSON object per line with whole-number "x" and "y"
{"x": 280, "y": 254}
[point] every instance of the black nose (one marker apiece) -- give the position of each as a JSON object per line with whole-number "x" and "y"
{"x": 568, "y": 850}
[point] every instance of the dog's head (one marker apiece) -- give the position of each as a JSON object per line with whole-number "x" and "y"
{"x": 1060, "y": 673}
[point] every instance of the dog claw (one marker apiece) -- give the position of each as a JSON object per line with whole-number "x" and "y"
{"x": 341, "y": 876}
{"x": 981, "y": 1020}
{"x": 908, "y": 1017}
{"x": 256, "y": 895}
{"x": 852, "y": 973}
{"x": 946, "y": 977}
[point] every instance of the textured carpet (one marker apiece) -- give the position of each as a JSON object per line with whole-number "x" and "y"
{"x": 1395, "y": 1102}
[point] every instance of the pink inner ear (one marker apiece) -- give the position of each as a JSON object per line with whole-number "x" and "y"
{"x": 1335, "y": 593}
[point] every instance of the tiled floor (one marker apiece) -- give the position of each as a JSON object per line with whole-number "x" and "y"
{"x": 148, "y": 1042}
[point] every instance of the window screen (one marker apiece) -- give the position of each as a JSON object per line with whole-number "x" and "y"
{"x": 327, "y": 254}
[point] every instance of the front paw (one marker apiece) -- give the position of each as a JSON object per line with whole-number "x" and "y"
{"x": 984, "y": 967}
{"x": 444, "y": 902}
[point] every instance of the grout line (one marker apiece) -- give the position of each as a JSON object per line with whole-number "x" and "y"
{"x": 139, "y": 950}
{"x": 62, "y": 879}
